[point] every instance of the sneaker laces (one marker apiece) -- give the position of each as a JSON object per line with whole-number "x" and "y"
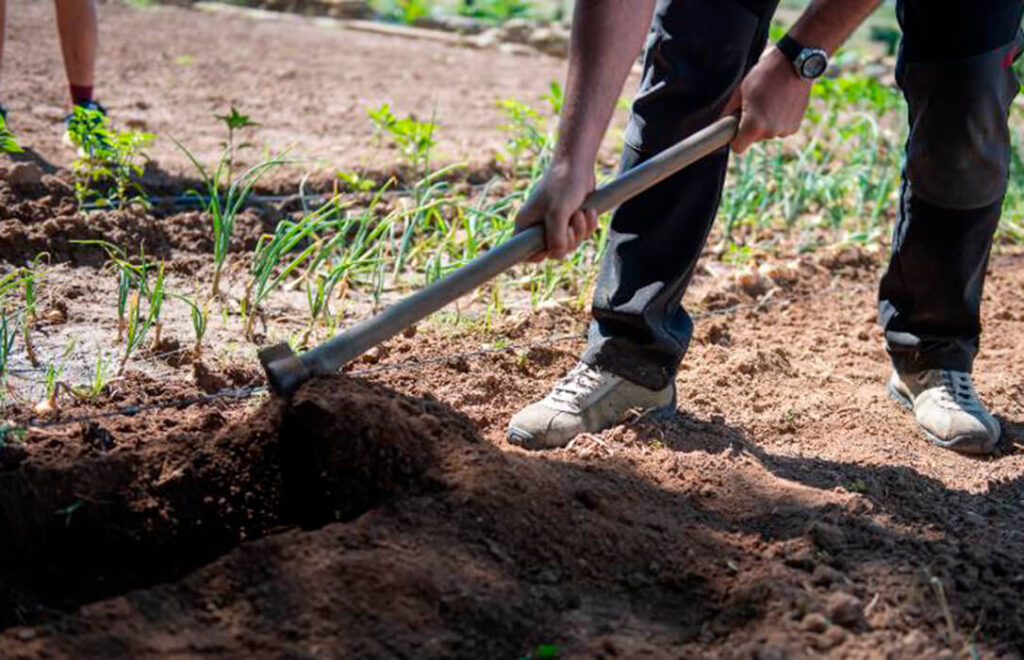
{"x": 581, "y": 382}
{"x": 955, "y": 391}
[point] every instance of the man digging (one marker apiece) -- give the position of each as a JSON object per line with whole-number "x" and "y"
{"x": 703, "y": 59}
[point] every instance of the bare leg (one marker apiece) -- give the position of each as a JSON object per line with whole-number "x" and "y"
{"x": 3, "y": 25}
{"x": 79, "y": 30}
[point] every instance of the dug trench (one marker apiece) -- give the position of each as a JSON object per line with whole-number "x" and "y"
{"x": 357, "y": 521}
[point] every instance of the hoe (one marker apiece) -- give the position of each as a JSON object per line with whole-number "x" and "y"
{"x": 286, "y": 371}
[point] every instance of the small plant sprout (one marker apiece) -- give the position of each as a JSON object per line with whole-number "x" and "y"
{"x": 99, "y": 380}
{"x": 234, "y": 121}
{"x": 140, "y": 322}
{"x": 139, "y": 301}
{"x": 226, "y": 194}
{"x": 273, "y": 250}
{"x": 199, "y": 313}
{"x": 356, "y": 182}
{"x": 53, "y": 384}
{"x": 8, "y": 333}
{"x": 401, "y": 11}
{"x": 8, "y": 142}
{"x": 109, "y": 162}
{"x": 31, "y": 275}
{"x": 414, "y": 138}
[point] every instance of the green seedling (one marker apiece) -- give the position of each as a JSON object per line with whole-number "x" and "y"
{"x": 8, "y": 333}
{"x": 401, "y": 11}
{"x": 234, "y": 121}
{"x": 109, "y": 163}
{"x": 69, "y": 511}
{"x": 497, "y": 11}
{"x": 355, "y": 182}
{"x": 527, "y": 131}
{"x": 8, "y": 141}
{"x": 199, "y": 313}
{"x": 139, "y": 300}
{"x": 283, "y": 253}
{"x": 99, "y": 380}
{"x": 414, "y": 138}
{"x": 226, "y": 194}
{"x": 140, "y": 322}
{"x": 12, "y": 435}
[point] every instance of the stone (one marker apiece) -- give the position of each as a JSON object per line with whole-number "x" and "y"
{"x": 814, "y": 623}
{"x": 844, "y": 609}
{"x": 517, "y": 30}
{"x": 549, "y": 42}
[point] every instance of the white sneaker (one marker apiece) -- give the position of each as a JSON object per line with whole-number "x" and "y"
{"x": 947, "y": 409}
{"x": 586, "y": 400}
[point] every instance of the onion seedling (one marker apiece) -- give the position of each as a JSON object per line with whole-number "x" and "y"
{"x": 227, "y": 195}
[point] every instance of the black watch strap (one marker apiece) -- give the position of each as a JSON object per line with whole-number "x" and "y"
{"x": 790, "y": 47}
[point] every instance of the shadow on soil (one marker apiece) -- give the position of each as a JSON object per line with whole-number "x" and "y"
{"x": 475, "y": 552}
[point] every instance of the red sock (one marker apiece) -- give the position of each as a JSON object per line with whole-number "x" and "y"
{"x": 80, "y": 94}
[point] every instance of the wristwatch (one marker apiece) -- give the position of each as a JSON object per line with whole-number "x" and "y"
{"x": 809, "y": 63}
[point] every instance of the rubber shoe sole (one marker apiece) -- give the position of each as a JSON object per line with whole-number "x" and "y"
{"x": 960, "y": 444}
{"x": 524, "y": 439}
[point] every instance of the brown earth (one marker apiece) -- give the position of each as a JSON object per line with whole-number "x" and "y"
{"x": 788, "y": 509}
{"x": 309, "y": 87}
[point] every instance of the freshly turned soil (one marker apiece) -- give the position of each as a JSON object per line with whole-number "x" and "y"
{"x": 788, "y": 508}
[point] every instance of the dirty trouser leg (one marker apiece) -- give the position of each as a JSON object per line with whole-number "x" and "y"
{"x": 955, "y": 72}
{"x": 696, "y": 53}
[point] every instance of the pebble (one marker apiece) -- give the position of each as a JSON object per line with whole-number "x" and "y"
{"x": 815, "y": 623}
{"x": 825, "y": 576}
{"x": 845, "y": 609}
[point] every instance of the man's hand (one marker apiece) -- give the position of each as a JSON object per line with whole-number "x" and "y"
{"x": 556, "y": 203}
{"x": 772, "y": 100}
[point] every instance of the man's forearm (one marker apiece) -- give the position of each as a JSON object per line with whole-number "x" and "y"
{"x": 826, "y": 24}
{"x": 606, "y": 38}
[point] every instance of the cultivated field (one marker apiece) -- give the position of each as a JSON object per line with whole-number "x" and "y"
{"x": 280, "y": 179}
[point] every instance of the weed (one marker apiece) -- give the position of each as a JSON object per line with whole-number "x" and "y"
{"x": 544, "y": 652}
{"x": 109, "y": 163}
{"x": 356, "y": 182}
{"x": 11, "y": 435}
{"x": 497, "y": 11}
{"x": 527, "y": 132}
{"x": 401, "y": 11}
{"x": 414, "y": 138}
{"x": 8, "y": 141}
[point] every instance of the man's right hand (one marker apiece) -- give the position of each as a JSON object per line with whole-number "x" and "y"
{"x": 556, "y": 202}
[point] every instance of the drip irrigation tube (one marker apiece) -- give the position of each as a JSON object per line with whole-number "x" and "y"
{"x": 202, "y": 201}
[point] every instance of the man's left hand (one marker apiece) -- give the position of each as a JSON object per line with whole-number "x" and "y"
{"x": 772, "y": 101}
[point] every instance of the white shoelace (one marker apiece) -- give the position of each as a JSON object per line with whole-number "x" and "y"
{"x": 577, "y": 385}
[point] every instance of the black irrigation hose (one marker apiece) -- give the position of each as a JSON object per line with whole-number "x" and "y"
{"x": 192, "y": 201}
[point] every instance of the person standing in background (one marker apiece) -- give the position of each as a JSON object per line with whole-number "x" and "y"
{"x": 78, "y": 28}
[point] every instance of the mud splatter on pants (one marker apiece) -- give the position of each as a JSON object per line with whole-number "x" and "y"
{"x": 954, "y": 69}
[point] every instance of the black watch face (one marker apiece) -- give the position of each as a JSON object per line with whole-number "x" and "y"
{"x": 814, "y": 66}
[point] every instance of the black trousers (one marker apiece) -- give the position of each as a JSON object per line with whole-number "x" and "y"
{"x": 954, "y": 70}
